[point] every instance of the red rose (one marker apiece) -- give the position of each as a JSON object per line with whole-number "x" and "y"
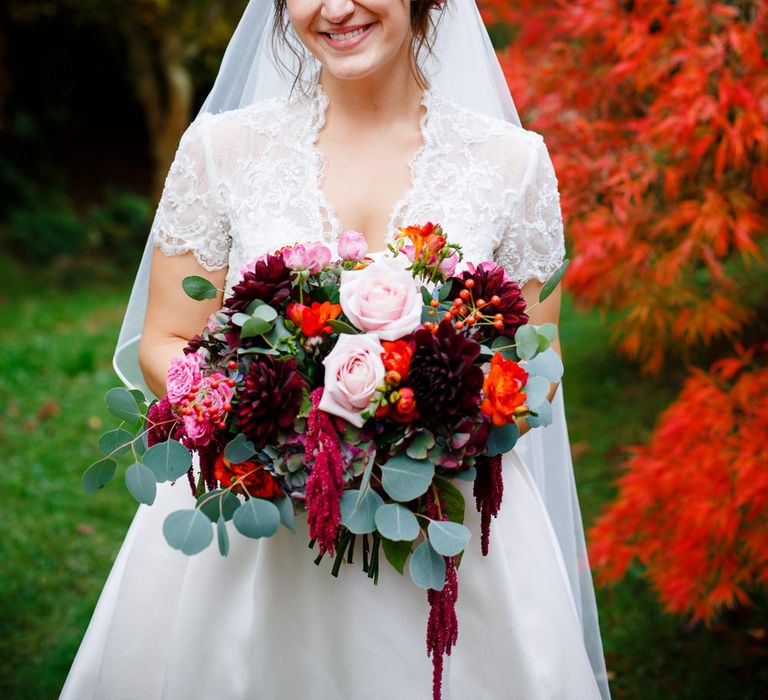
{"x": 248, "y": 476}
{"x": 397, "y": 360}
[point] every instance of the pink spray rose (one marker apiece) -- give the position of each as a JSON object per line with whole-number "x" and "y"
{"x": 183, "y": 374}
{"x": 353, "y": 373}
{"x": 208, "y": 410}
{"x": 382, "y": 298}
{"x": 352, "y": 246}
{"x": 307, "y": 256}
{"x": 448, "y": 265}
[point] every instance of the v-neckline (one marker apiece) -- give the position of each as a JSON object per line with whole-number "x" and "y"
{"x": 332, "y": 225}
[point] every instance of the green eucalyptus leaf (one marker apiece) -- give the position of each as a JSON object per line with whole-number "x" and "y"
{"x": 506, "y": 347}
{"x": 342, "y": 326}
{"x": 199, "y": 288}
{"x": 444, "y": 291}
{"x": 366, "y": 475}
{"x": 543, "y": 416}
{"x": 98, "y": 475}
{"x": 168, "y": 460}
{"x": 358, "y": 518}
{"x": 420, "y": 445}
{"x": 526, "y": 342}
{"x": 502, "y": 439}
{"x": 548, "y": 330}
{"x": 239, "y": 449}
{"x": 546, "y": 364}
{"x": 115, "y": 442}
{"x": 287, "y": 515}
{"x": 255, "y": 304}
{"x": 396, "y": 523}
{"x": 536, "y": 390}
{"x": 448, "y": 538}
{"x": 239, "y": 318}
{"x": 222, "y": 536}
{"x": 551, "y": 284}
{"x": 188, "y": 530}
{"x": 122, "y": 403}
{"x": 141, "y": 483}
{"x": 426, "y": 297}
{"x": 427, "y": 567}
{"x": 266, "y": 313}
{"x": 138, "y": 395}
{"x": 255, "y": 326}
{"x": 396, "y": 553}
{"x": 218, "y": 502}
{"x": 404, "y": 478}
{"x": 467, "y": 474}
{"x": 257, "y": 518}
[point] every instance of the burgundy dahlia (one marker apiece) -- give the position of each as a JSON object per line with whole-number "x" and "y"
{"x": 270, "y": 398}
{"x": 443, "y": 375}
{"x": 270, "y": 281}
{"x": 491, "y": 281}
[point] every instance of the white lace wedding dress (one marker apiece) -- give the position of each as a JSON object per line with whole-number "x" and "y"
{"x": 266, "y": 622}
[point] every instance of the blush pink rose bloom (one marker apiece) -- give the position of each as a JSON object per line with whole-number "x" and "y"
{"x": 448, "y": 265}
{"x": 201, "y": 424}
{"x": 353, "y": 373}
{"x": 307, "y": 256}
{"x": 183, "y": 373}
{"x": 382, "y": 298}
{"x": 352, "y": 246}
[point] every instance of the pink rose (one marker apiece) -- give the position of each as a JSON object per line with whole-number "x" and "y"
{"x": 448, "y": 265}
{"x": 209, "y": 409}
{"x": 353, "y": 373}
{"x": 307, "y": 256}
{"x": 352, "y": 246}
{"x": 183, "y": 374}
{"x": 383, "y": 298}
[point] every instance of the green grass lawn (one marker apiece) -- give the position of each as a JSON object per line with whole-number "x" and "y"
{"x": 57, "y": 545}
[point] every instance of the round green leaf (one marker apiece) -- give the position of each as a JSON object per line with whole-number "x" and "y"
{"x": 266, "y": 313}
{"x": 427, "y": 567}
{"x": 502, "y": 439}
{"x": 239, "y": 449}
{"x": 287, "y": 515}
{"x": 257, "y": 518}
{"x": 526, "y": 342}
{"x": 358, "y": 517}
{"x": 214, "y": 503}
{"x": 115, "y": 442}
{"x": 254, "y": 326}
{"x": 122, "y": 403}
{"x": 404, "y": 478}
{"x": 448, "y": 538}
{"x": 168, "y": 460}
{"x": 188, "y": 530}
{"x": 546, "y": 364}
{"x": 543, "y": 415}
{"x": 468, "y": 474}
{"x": 536, "y": 390}
{"x": 396, "y": 523}
{"x": 396, "y": 553}
{"x": 141, "y": 484}
{"x": 222, "y": 536}
{"x": 99, "y": 475}
{"x": 199, "y": 288}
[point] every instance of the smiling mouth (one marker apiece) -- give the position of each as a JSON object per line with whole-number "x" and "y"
{"x": 348, "y": 35}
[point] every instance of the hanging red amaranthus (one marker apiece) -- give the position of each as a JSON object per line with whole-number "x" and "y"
{"x": 488, "y": 491}
{"x": 442, "y": 626}
{"x": 326, "y": 483}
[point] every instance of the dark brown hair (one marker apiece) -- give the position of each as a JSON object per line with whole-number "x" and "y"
{"x": 422, "y": 23}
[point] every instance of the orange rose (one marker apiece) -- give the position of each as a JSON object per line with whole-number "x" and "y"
{"x": 252, "y": 476}
{"x": 503, "y": 389}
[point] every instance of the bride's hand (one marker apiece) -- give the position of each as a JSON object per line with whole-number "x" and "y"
{"x": 547, "y": 311}
{"x": 172, "y": 317}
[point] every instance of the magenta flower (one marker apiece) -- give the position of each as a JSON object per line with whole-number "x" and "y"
{"x": 352, "y": 246}
{"x": 183, "y": 374}
{"x": 208, "y": 410}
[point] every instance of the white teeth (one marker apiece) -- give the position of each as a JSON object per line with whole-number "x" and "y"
{"x": 347, "y": 35}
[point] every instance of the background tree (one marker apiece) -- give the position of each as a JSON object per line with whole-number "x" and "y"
{"x": 656, "y": 116}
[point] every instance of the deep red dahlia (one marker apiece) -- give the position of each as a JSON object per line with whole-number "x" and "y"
{"x": 270, "y": 281}
{"x": 443, "y": 375}
{"x": 492, "y": 281}
{"x": 270, "y": 398}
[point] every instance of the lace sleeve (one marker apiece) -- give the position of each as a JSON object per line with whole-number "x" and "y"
{"x": 191, "y": 215}
{"x": 532, "y": 244}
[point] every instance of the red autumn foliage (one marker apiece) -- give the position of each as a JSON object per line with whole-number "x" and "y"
{"x": 693, "y": 504}
{"x": 656, "y": 116}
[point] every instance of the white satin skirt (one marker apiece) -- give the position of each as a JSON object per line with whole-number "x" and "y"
{"x": 265, "y": 623}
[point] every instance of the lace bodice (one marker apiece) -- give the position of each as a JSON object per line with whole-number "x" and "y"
{"x": 249, "y": 181}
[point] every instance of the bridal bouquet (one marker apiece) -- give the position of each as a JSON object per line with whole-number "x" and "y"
{"x": 355, "y": 392}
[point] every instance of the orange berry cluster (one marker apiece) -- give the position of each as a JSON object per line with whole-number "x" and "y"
{"x": 467, "y": 312}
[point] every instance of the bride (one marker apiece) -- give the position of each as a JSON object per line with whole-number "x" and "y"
{"x": 332, "y": 115}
